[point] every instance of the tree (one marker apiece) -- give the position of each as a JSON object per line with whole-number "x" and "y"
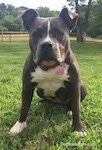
{"x": 2, "y": 28}
{"x": 12, "y": 24}
{"x": 46, "y": 12}
{"x": 95, "y": 20}
{"x": 10, "y": 16}
{"x": 9, "y": 19}
{"x": 90, "y": 20}
{"x": 10, "y": 9}
{"x": 82, "y": 25}
{"x": 2, "y": 7}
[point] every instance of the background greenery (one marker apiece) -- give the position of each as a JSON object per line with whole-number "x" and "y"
{"x": 10, "y": 19}
{"x": 49, "y": 128}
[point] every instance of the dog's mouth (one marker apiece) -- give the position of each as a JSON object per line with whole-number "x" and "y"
{"x": 46, "y": 65}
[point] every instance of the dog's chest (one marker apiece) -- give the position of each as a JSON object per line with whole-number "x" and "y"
{"x": 50, "y": 81}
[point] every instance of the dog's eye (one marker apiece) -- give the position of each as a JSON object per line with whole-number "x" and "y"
{"x": 58, "y": 34}
{"x": 38, "y": 33}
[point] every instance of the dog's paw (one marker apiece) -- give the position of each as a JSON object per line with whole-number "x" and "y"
{"x": 17, "y": 128}
{"x": 81, "y": 133}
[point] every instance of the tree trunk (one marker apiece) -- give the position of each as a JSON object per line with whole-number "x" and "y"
{"x": 79, "y": 28}
{"x": 79, "y": 32}
{"x": 87, "y": 14}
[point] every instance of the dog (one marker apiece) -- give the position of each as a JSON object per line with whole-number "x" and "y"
{"x": 51, "y": 66}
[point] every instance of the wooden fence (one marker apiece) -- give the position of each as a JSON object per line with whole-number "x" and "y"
{"x": 13, "y": 36}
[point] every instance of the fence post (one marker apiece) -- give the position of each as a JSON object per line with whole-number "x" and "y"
{"x": 2, "y": 32}
{"x": 10, "y": 37}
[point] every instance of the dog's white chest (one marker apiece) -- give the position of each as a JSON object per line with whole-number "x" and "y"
{"x": 51, "y": 80}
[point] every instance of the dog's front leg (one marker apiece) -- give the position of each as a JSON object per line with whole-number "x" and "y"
{"x": 75, "y": 105}
{"x": 27, "y": 93}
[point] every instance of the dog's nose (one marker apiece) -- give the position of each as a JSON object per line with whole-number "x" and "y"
{"x": 46, "y": 45}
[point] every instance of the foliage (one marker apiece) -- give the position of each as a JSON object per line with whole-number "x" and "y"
{"x": 11, "y": 23}
{"x": 45, "y": 12}
{"x": 93, "y": 26}
{"x": 10, "y": 16}
{"x": 10, "y": 19}
{"x": 82, "y": 23}
{"x": 95, "y": 20}
{"x": 49, "y": 128}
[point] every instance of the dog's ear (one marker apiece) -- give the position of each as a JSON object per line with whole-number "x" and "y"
{"x": 28, "y": 17}
{"x": 69, "y": 17}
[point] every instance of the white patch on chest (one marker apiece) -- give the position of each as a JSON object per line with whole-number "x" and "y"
{"x": 50, "y": 80}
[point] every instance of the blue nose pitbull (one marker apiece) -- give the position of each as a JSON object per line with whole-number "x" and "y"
{"x": 51, "y": 66}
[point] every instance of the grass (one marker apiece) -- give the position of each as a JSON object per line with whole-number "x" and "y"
{"x": 49, "y": 128}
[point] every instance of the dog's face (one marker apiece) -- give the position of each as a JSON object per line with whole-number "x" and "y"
{"x": 49, "y": 42}
{"x": 49, "y": 37}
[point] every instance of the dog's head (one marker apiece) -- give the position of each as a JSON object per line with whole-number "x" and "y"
{"x": 49, "y": 37}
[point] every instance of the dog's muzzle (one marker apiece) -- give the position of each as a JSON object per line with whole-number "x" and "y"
{"x": 47, "y": 56}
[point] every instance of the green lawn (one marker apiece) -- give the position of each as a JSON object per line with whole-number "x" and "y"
{"x": 49, "y": 128}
